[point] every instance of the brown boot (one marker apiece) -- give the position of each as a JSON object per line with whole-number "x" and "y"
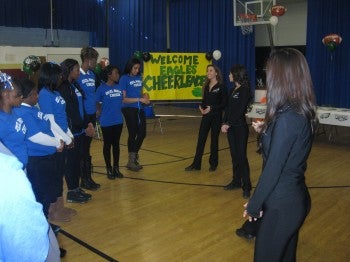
{"x": 69, "y": 211}
{"x": 57, "y": 215}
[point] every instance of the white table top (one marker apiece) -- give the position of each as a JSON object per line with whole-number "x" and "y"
{"x": 325, "y": 115}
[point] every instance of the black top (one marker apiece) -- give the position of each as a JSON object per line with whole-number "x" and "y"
{"x": 215, "y": 98}
{"x": 285, "y": 148}
{"x": 75, "y": 121}
{"x": 236, "y": 108}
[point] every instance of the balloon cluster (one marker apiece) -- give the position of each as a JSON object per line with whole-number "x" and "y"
{"x": 101, "y": 65}
{"x": 216, "y": 55}
{"x": 332, "y": 41}
{"x": 145, "y": 56}
{"x": 31, "y": 64}
{"x": 276, "y": 11}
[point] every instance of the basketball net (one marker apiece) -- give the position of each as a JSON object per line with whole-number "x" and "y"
{"x": 246, "y": 20}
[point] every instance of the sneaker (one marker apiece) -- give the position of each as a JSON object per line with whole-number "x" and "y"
{"x": 74, "y": 196}
{"x": 83, "y": 193}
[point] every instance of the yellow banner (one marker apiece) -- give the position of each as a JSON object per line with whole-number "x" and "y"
{"x": 175, "y": 76}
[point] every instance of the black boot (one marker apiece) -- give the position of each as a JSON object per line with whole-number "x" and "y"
{"x": 110, "y": 173}
{"x": 86, "y": 180}
{"x": 117, "y": 173}
{"x": 89, "y": 169}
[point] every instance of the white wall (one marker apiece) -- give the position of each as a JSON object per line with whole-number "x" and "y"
{"x": 13, "y": 56}
{"x": 290, "y": 30}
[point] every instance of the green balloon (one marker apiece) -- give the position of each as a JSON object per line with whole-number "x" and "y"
{"x": 138, "y": 55}
{"x": 27, "y": 69}
{"x": 98, "y": 69}
{"x": 331, "y": 46}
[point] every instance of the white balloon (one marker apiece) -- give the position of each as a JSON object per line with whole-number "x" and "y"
{"x": 274, "y": 20}
{"x": 216, "y": 54}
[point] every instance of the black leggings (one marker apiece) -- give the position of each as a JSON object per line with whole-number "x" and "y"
{"x": 210, "y": 122}
{"x": 277, "y": 235}
{"x": 238, "y": 138}
{"x": 111, "y": 138}
{"x": 136, "y": 123}
{"x": 87, "y": 139}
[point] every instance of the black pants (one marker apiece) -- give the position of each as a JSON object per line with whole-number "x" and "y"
{"x": 238, "y": 138}
{"x": 277, "y": 236}
{"x": 41, "y": 172}
{"x": 209, "y": 122}
{"x": 74, "y": 160}
{"x": 136, "y": 123}
{"x": 111, "y": 138}
{"x": 87, "y": 139}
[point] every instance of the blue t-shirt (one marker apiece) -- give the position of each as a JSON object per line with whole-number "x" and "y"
{"x": 111, "y": 98}
{"x": 86, "y": 81}
{"x": 51, "y": 102}
{"x": 12, "y": 135}
{"x": 132, "y": 85}
{"x": 36, "y": 122}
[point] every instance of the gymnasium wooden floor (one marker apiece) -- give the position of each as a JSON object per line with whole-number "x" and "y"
{"x": 163, "y": 213}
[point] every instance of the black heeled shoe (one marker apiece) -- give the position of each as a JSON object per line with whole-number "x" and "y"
{"x": 117, "y": 173}
{"x": 110, "y": 173}
{"x": 192, "y": 168}
{"x": 232, "y": 186}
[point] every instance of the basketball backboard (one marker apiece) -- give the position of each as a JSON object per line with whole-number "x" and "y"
{"x": 248, "y": 12}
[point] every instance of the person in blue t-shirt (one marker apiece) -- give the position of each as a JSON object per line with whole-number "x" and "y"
{"x": 54, "y": 106}
{"x": 87, "y": 82}
{"x": 131, "y": 84}
{"x": 109, "y": 98}
{"x": 42, "y": 146}
{"x": 12, "y": 127}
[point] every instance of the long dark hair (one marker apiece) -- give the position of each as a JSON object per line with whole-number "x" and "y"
{"x": 289, "y": 83}
{"x": 219, "y": 77}
{"x": 49, "y": 76}
{"x": 240, "y": 75}
{"x": 130, "y": 64}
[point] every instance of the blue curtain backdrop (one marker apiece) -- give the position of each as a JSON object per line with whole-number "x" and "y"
{"x": 330, "y": 70}
{"x": 195, "y": 26}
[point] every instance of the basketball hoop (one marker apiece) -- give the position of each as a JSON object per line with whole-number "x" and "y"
{"x": 246, "y": 22}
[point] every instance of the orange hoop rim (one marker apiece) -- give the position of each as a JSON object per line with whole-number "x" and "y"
{"x": 251, "y": 17}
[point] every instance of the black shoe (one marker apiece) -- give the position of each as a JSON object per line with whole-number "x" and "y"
{"x": 232, "y": 186}
{"x": 86, "y": 184}
{"x": 83, "y": 193}
{"x": 192, "y": 168}
{"x": 246, "y": 194}
{"x": 117, "y": 173}
{"x": 242, "y": 233}
{"x": 94, "y": 183}
{"x": 212, "y": 168}
{"x": 74, "y": 196}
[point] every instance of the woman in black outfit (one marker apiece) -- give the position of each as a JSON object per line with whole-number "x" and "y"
{"x": 235, "y": 125}
{"x": 281, "y": 198}
{"x": 213, "y": 102}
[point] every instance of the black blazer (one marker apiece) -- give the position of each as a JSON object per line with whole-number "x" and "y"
{"x": 286, "y": 146}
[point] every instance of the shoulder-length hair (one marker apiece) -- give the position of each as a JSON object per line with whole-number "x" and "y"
{"x": 219, "y": 77}
{"x": 49, "y": 76}
{"x": 130, "y": 64}
{"x": 240, "y": 75}
{"x": 289, "y": 83}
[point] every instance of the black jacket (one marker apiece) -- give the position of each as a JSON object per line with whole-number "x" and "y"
{"x": 285, "y": 148}
{"x": 75, "y": 122}
{"x": 236, "y": 108}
